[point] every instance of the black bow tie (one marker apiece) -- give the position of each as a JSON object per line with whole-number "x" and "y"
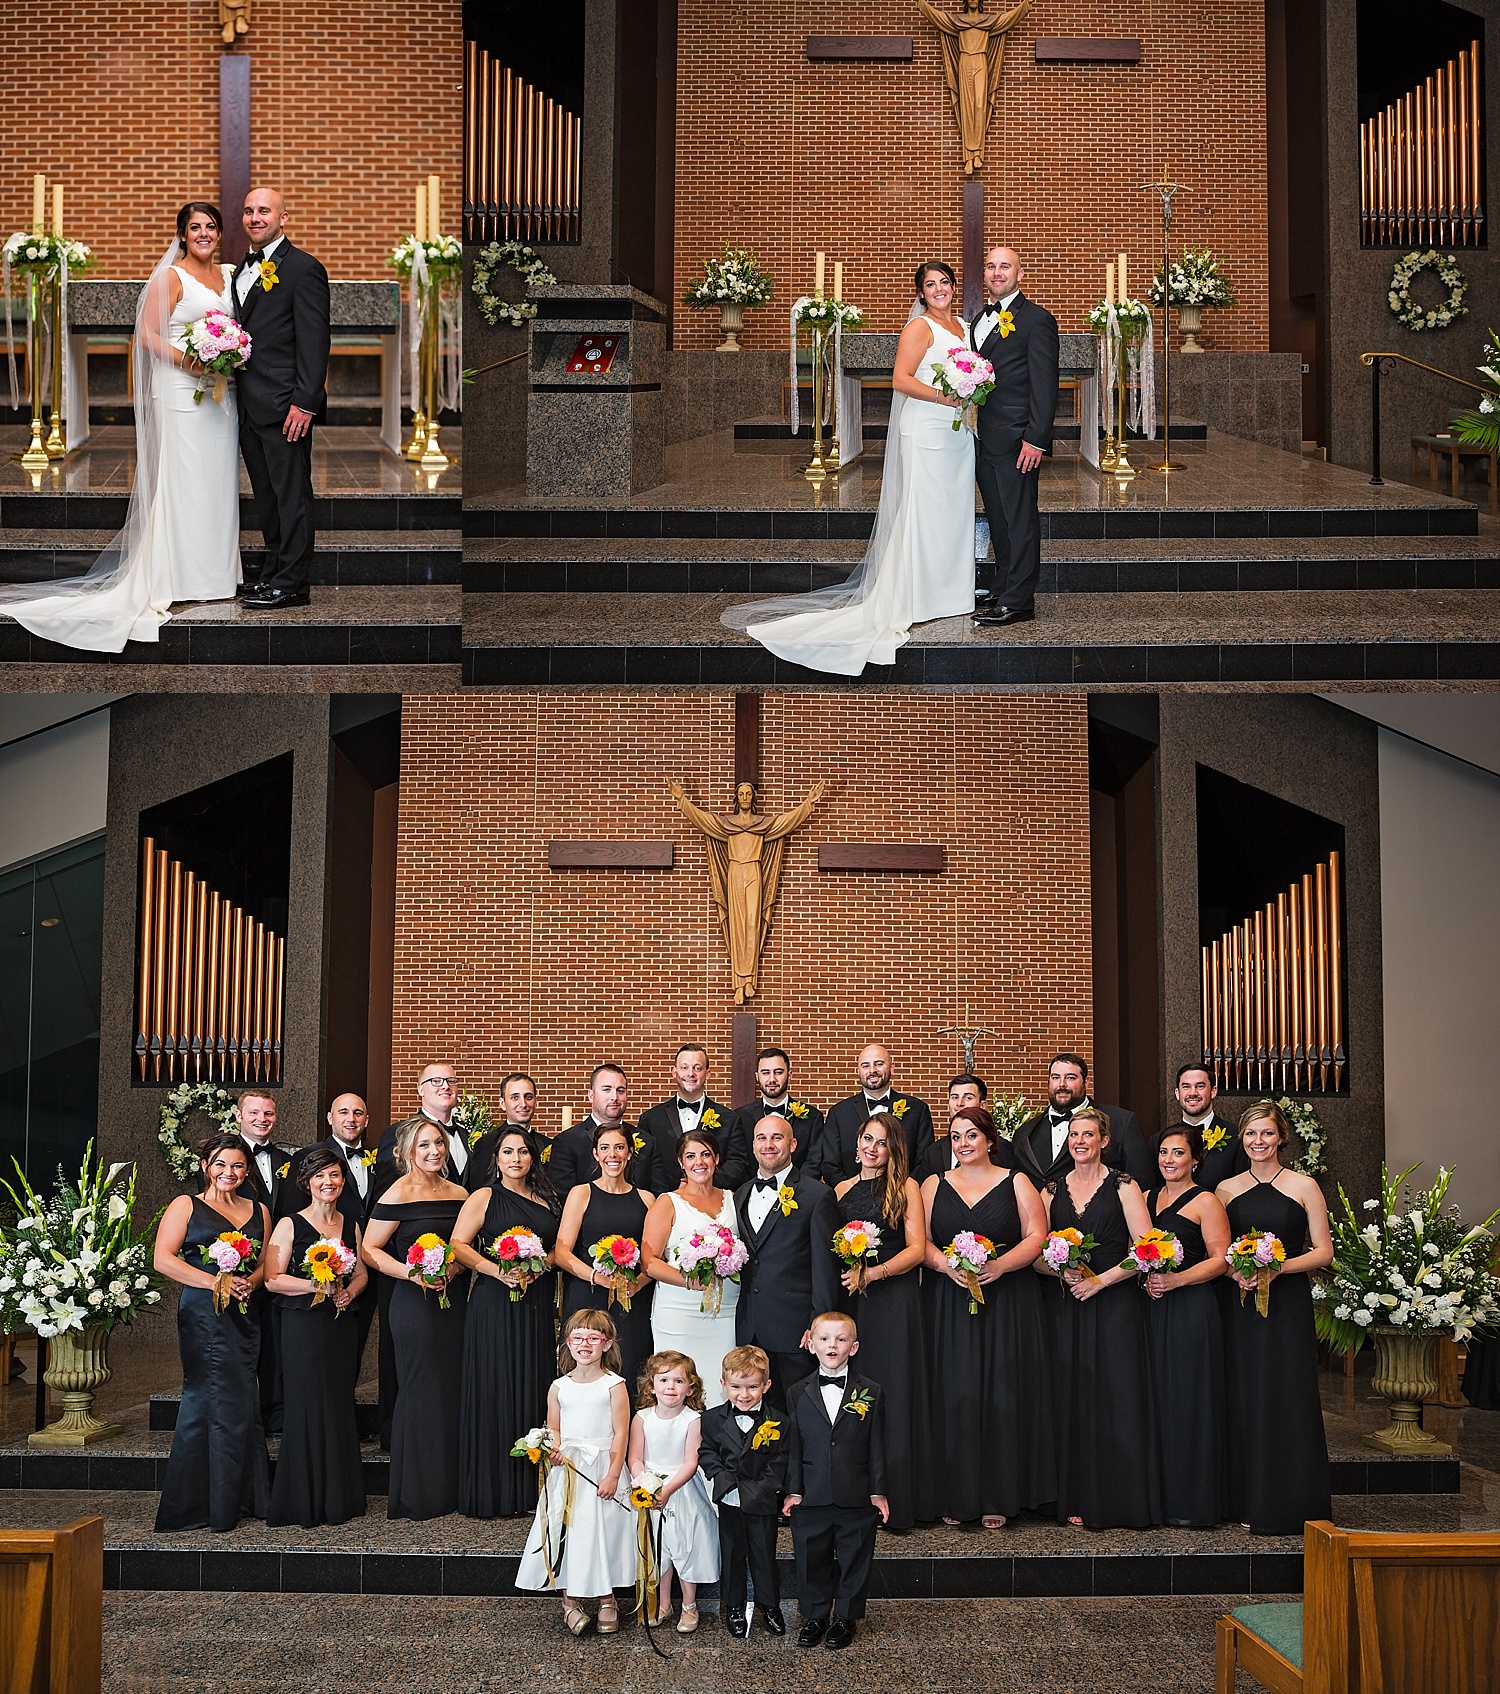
{"x": 830, "y": 1381}
{"x": 767, "y": 1108}
{"x": 693, "y": 1106}
{"x": 1060, "y": 1117}
{"x": 882, "y": 1104}
{"x": 771, "y": 1182}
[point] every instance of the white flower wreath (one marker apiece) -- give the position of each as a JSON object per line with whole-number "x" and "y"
{"x": 520, "y": 259}
{"x": 1311, "y": 1137}
{"x": 206, "y": 1097}
{"x": 1411, "y": 312}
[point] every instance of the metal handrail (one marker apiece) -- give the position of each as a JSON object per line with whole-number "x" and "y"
{"x": 1373, "y": 361}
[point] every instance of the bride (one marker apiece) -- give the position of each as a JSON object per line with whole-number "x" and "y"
{"x": 181, "y": 539}
{"x": 920, "y": 561}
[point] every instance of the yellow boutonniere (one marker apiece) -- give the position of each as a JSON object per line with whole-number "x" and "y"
{"x": 367, "y": 1158}
{"x": 898, "y": 1109}
{"x": 285, "y": 1169}
{"x": 268, "y": 276}
{"x": 799, "y": 1109}
{"x": 1006, "y": 324}
{"x": 1214, "y": 1135}
{"x": 547, "y": 1153}
{"x": 711, "y": 1119}
{"x": 638, "y": 1142}
{"x": 768, "y": 1432}
{"x": 786, "y": 1199}
{"x": 859, "y": 1403}
{"x": 474, "y": 1135}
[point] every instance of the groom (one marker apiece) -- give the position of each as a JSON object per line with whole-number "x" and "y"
{"x": 280, "y": 295}
{"x": 1019, "y": 338}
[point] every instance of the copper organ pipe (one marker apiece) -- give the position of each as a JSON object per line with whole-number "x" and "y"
{"x": 1294, "y": 978}
{"x": 1465, "y": 212}
{"x": 174, "y": 967}
{"x": 1450, "y": 147}
{"x": 183, "y": 1031}
{"x": 211, "y": 985}
{"x": 228, "y": 929}
{"x": 1325, "y": 1048}
{"x": 236, "y": 991}
{"x": 1283, "y": 1009}
{"x": 1258, "y": 1000}
{"x": 1476, "y": 121}
{"x": 143, "y": 963}
{"x": 1206, "y": 1036}
{"x": 247, "y": 1005}
{"x": 1336, "y": 966}
{"x": 277, "y": 1003}
{"x": 471, "y": 131}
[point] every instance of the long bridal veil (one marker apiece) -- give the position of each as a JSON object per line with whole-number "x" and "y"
{"x": 112, "y": 602}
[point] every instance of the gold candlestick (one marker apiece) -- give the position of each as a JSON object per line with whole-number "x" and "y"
{"x": 433, "y": 458}
{"x": 57, "y": 445}
{"x": 1122, "y": 467}
{"x": 817, "y": 467}
{"x": 35, "y": 457}
{"x": 831, "y": 456}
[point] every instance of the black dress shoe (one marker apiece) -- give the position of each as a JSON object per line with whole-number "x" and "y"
{"x": 811, "y": 1632}
{"x": 1003, "y": 615}
{"x": 251, "y": 585}
{"x": 840, "y": 1634}
{"x": 774, "y": 1622}
{"x": 273, "y": 599}
{"x": 738, "y": 1625}
{"x": 985, "y": 600}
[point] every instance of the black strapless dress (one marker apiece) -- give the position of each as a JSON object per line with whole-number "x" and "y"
{"x": 510, "y": 1360}
{"x": 614, "y": 1214}
{"x": 1278, "y": 1452}
{"x": 218, "y": 1470}
{"x": 1186, "y": 1332}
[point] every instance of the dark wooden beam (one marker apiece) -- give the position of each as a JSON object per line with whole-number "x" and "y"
{"x": 846, "y": 49}
{"x": 1079, "y": 50}
{"x": 234, "y": 152}
{"x": 743, "y": 1048}
{"x": 973, "y": 249}
{"x": 599, "y": 855}
{"x": 881, "y": 856}
{"x": 747, "y": 738}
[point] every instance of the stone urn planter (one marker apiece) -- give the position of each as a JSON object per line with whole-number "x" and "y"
{"x": 731, "y": 321}
{"x": 1190, "y": 321}
{"x": 77, "y": 1367}
{"x": 1404, "y": 1374}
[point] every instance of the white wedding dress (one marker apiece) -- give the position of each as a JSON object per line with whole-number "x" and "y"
{"x": 678, "y": 1321}
{"x": 181, "y": 539}
{"x": 920, "y": 562}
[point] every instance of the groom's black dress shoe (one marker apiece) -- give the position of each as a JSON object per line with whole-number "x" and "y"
{"x": 985, "y": 600}
{"x": 811, "y": 1632}
{"x": 1003, "y": 615}
{"x": 773, "y": 1620}
{"x": 273, "y": 599}
{"x": 251, "y": 585}
{"x": 738, "y": 1625}
{"x": 840, "y": 1634}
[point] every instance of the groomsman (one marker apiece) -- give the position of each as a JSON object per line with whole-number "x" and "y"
{"x": 836, "y": 1156}
{"x": 1019, "y": 338}
{"x": 518, "y": 1102}
{"x": 965, "y": 1093}
{"x": 267, "y": 1182}
{"x": 348, "y": 1119}
{"x": 691, "y": 1108}
{"x": 437, "y": 1092}
{"x": 1223, "y": 1155}
{"x": 773, "y": 1081}
{"x": 1041, "y": 1144}
{"x": 572, "y": 1153}
{"x": 787, "y": 1220}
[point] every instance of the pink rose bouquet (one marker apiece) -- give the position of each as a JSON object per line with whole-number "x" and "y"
{"x": 219, "y": 344}
{"x": 963, "y": 375}
{"x": 709, "y": 1258}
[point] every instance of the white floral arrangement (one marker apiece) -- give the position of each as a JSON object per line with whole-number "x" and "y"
{"x": 512, "y": 255}
{"x": 1413, "y": 1267}
{"x": 206, "y": 1097}
{"x": 75, "y": 1260}
{"x": 1310, "y": 1137}
{"x": 813, "y": 313}
{"x": 472, "y": 1118}
{"x": 735, "y": 278}
{"x": 1010, "y": 1112}
{"x": 445, "y": 255}
{"x": 25, "y": 252}
{"x": 1411, "y": 312}
{"x": 1134, "y": 316}
{"x": 1196, "y": 280}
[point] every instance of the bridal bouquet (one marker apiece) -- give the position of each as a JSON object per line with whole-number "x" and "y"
{"x": 963, "y": 375}
{"x": 620, "y": 1256}
{"x": 1257, "y": 1255}
{"x": 968, "y": 1254}
{"x": 429, "y": 1260}
{"x": 519, "y": 1250}
{"x": 218, "y": 343}
{"x": 227, "y": 1257}
{"x": 709, "y": 1258}
{"x": 1154, "y": 1251}
{"x": 1069, "y": 1249}
{"x": 856, "y": 1243}
{"x": 328, "y": 1264}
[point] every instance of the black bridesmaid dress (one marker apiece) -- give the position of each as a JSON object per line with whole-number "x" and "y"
{"x": 318, "y": 1476}
{"x": 614, "y": 1214}
{"x": 510, "y": 1360}
{"x": 1108, "y": 1473}
{"x": 217, "y": 1472}
{"x": 1186, "y": 1332}
{"x": 428, "y": 1343}
{"x": 892, "y": 1352}
{"x": 990, "y": 1372}
{"x": 1278, "y": 1451}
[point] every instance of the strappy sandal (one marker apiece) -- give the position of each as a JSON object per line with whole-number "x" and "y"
{"x": 576, "y": 1618}
{"x": 608, "y": 1621}
{"x": 664, "y": 1617}
{"x": 688, "y": 1622}
{"x": 993, "y": 1521}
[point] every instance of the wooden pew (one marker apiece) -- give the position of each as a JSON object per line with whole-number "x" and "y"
{"x": 1380, "y": 1614}
{"x": 52, "y": 1609}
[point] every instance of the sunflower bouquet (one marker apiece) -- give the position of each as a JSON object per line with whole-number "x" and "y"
{"x": 858, "y": 1245}
{"x": 521, "y": 1252}
{"x": 328, "y": 1264}
{"x": 1257, "y": 1255}
{"x": 429, "y": 1261}
{"x": 1154, "y": 1251}
{"x": 619, "y": 1256}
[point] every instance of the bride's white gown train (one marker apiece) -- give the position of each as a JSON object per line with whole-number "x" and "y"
{"x": 920, "y": 564}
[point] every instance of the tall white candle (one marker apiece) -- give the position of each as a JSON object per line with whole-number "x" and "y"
{"x": 818, "y": 277}
{"x": 567, "y": 1117}
{"x": 838, "y": 279}
{"x": 57, "y": 208}
{"x": 38, "y": 204}
{"x": 434, "y": 218}
{"x": 419, "y": 227}
{"x": 1124, "y": 291}
{"x": 1109, "y": 283}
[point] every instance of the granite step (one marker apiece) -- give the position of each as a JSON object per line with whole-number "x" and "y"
{"x": 413, "y": 508}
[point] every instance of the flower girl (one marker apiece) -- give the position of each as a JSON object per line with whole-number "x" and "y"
{"x": 582, "y": 1540}
{"x": 664, "y": 1440}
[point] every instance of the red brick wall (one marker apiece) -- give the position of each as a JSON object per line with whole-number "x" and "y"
{"x": 352, "y": 102}
{"x": 863, "y": 160}
{"x": 502, "y": 963}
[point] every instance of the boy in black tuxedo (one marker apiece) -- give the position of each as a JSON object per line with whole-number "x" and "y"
{"x": 743, "y": 1453}
{"x": 835, "y": 1484}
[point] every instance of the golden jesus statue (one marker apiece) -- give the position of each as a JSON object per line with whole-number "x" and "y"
{"x": 744, "y": 871}
{"x": 973, "y": 53}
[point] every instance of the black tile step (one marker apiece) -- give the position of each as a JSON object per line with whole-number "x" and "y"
{"x": 164, "y": 1408}
{"x": 412, "y": 509}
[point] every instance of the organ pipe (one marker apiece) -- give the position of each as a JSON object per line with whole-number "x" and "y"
{"x": 522, "y": 157}
{"x": 1420, "y": 163}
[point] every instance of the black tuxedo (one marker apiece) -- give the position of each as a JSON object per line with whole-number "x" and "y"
{"x": 660, "y": 1127}
{"x": 572, "y": 1160}
{"x": 289, "y": 329}
{"x": 806, "y": 1128}
{"x": 1021, "y": 408}
{"x": 835, "y": 1467}
{"x": 791, "y": 1276}
{"x": 1220, "y": 1163}
{"x": 836, "y": 1155}
{"x": 475, "y": 1173}
{"x": 747, "y": 1532}
{"x": 1126, "y": 1150}
{"x": 282, "y": 1197}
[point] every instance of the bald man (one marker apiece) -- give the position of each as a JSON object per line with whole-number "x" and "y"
{"x": 1019, "y": 338}
{"x": 837, "y": 1152}
{"x": 280, "y": 295}
{"x": 348, "y": 1119}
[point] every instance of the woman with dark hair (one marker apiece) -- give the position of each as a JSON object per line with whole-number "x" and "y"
{"x": 510, "y": 1335}
{"x": 610, "y": 1208}
{"x": 1186, "y": 1335}
{"x": 181, "y": 540}
{"x": 920, "y": 561}
{"x": 990, "y": 1354}
{"x": 318, "y": 1476}
{"x": 884, "y": 1297}
{"x": 217, "y": 1472}
{"x": 1278, "y": 1451}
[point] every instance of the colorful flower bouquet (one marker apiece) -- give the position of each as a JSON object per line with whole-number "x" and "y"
{"x": 963, "y": 375}
{"x": 1069, "y": 1249}
{"x": 520, "y": 1251}
{"x": 428, "y": 1261}
{"x": 218, "y": 343}
{"x": 968, "y": 1254}
{"x": 709, "y": 1258}
{"x": 857, "y": 1244}
{"x": 328, "y": 1264}
{"x": 228, "y": 1257}
{"x": 620, "y": 1256}
{"x": 1257, "y": 1255}
{"x": 1154, "y": 1251}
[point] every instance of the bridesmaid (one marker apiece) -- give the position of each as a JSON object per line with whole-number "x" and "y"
{"x": 888, "y": 1311}
{"x": 1186, "y": 1335}
{"x": 318, "y": 1476}
{"x": 1278, "y": 1452}
{"x": 609, "y": 1205}
{"x": 991, "y": 1370}
{"x": 510, "y": 1344}
{"x": 217, "y": 1472}
{"x": 427, "y": 1340}
{"x": 1108, "y": 1474}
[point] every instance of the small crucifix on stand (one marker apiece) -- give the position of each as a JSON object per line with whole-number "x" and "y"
{"x": 1166, "y": 190}
{"x": 967, "y": 1039}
